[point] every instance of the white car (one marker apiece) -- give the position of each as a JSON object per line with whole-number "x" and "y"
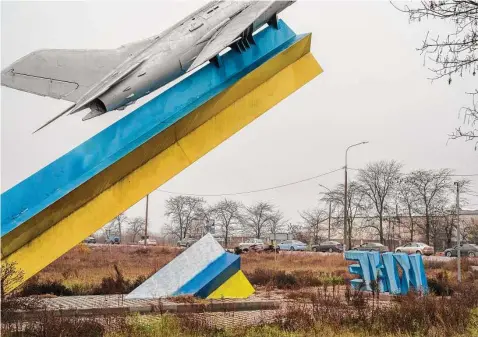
{"x": 292, "y": 245}
{"x": 249, "y": 243}
{"x": 149, "y": 242}
{"x": 415, "y": 248}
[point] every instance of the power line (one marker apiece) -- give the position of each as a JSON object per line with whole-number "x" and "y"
{"x": 284, "y": 185}
{"x": 451, "y": 175}
{"x": 253, "y": 191}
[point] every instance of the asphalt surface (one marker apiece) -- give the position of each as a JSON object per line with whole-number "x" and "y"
{"x": 437, "y": 258}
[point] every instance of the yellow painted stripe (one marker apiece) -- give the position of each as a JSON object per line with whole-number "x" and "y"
{"x": 68, "y": 232}
{"x": 237, "y": 286}
{"x": 47, "y": 218}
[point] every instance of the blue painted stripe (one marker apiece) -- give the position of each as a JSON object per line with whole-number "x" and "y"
{"x": 59, "y": 178}
{"x": 211, "y": 277}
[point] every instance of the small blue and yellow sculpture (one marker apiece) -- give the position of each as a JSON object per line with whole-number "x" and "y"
{"x": 383, "y": 270}
{"x": 203, "y": 270}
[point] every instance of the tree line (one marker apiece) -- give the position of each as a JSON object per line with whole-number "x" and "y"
{"x": 421, "y": 202}
{"x": 188, "y": 215}
{"x": 380, "y": 198}
{"x": 129, "y": 229}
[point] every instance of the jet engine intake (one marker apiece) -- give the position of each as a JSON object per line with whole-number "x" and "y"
{"x": 97, "y": 108}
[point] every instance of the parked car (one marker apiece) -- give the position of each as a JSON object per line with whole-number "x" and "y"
{"x": 114, "y": 240}
{"x": 371, "y": 246}
{"x": 186, "y": 242}
{"x": 415, "y": 248}
{"x": 149, "y": 242}
{"x": 89, "y": 239}
{"x": 246, "y": 245}
{"x": 292, "y": 245}
{"x": 328, "y": 246}
{"x": 466, "y": 249}
{"x": 258, "y": 247}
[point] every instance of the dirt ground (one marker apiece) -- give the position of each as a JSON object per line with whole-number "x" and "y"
{"x": 88, "y": 264}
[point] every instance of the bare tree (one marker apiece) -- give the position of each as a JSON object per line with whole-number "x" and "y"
{"x": 470, "y": 230}
{"x": 430, "y": 187}
{"x": 257, "y": 217}
{"x": 205, "y": 217}
{"x": 183, "y": 211}
{"x": 136, "y": 227}
{"x": 470, "y": 117}
{"x": 454, "y": 53}
{"x": 11, "y": 276}
{"x": 294, "y": 229}
{"x": 407, "y": 200}
{"x": 313, "y": 221}
{"x": 121, "y": 220}
{"x": 378, "y": 180}
{"x": 277, "y": 223}
{"x": 115, "y": 226}
{"x": 110, "y": 229}
{"x": 227, "y": 214}
{"x": 355, "y": 204}
{"x": 448, "y": 222}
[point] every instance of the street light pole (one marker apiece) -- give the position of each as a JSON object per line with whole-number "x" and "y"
{"x": 345, "y": 194}
{"x": 458, "y": 230}
{"x": 146, "y": 221}
{"x": 330, "y": 215}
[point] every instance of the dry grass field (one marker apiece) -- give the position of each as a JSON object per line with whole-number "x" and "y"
{"x": 116, "y": 269}
{"x": 90, "y": 264}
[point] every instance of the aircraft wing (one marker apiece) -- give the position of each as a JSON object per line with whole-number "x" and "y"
{"x": 231, "y": 31}
{"x": 65, "y": 73}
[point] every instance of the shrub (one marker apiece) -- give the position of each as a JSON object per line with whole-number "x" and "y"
{"x": 261, "y": 277}
{"x": 439, "y": 288}
{"x": 34, "y": 287}
{"x": 441, "y": 285}
{"x": 118, "y": 284}
{"x": 136, "y": 325}
{"x": 81, "y": 289}
{"x": 52, "y": 326}
{"x": 292, "y": 280}
{"x": 282, "y": 280}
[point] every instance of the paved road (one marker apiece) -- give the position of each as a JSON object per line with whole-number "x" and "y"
{"x": 426, "y": 258}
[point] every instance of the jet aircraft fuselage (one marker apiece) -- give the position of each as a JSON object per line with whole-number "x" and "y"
{"x": 139, "y": 68}
{"x": 172, "y": 54}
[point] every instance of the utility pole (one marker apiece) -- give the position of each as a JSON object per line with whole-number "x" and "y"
{"x": 345, "y": 195}
{"x": 345, "y": 205}
{"x": 398, "y": 223}
{"x": 458, "y": 229}
{"x": 330, "y": 215}
{"x": 119, "y": 227}
{"x": 146, "y": 221}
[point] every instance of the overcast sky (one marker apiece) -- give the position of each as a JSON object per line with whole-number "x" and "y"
{"x": 374, "y": 87}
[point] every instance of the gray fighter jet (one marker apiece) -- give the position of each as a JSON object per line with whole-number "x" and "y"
{"x": 111, "y": 79}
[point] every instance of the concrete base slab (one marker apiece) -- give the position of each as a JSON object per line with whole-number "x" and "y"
{"x": 117, "y": 305}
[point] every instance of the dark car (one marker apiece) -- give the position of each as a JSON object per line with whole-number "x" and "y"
{"x": 115, "y": 240}
{"x": 271, "y": 248}
{"x": 371, "y": 246}
{"x": 466, "y": 249}
{"x": 328, "y": 246}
